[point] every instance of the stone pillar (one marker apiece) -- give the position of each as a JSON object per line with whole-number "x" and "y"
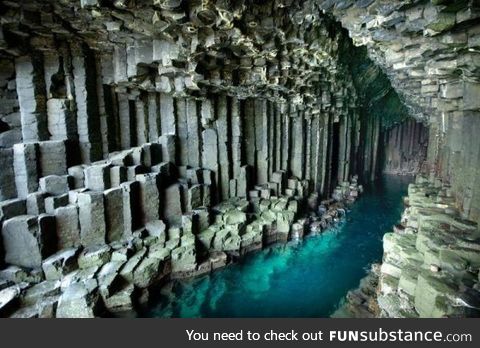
{"x": 167, "y": 114}
{"x": 141, "y": 121}
{"x": 261, "y": 140}
{"x": 182, "y": 131}
{"x": 154, "y": 125}
{"x": 210, "y": 155}
{"x": 119, "y": 64}
{"x": 297, "y": 159}
{"x": 97, "y": 177}
{"x": 249, "y": 138}
{"x": 25, "y": 157}
{"x": 88, "y": 118}
{"x": 286, "y": 138}
{"x": 236, "y": 131}
{"x": 68, "y": 229}
{"x": 52, "y": 157}
{"x": 124, "y": 120}
{"x": 172, "y": 205}
{"x": 31, "y": 97}
{"x": 132, "y": 211}
{"x": 222, "y": 125}
{"x": 169, "y": 148}
{"x": 115, "y": 219}
{"x": 193, "y": 134}
{"x": 61, "y": 119}
{"x": 149, "y": 197}
{"x": 7, "y": 175}
{"x": 92, "y": 218}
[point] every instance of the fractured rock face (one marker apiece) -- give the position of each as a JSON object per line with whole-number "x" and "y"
{"x": 79, "y": 300}
{"x": 27, "y": 240}
{"x": 425, "y": 266}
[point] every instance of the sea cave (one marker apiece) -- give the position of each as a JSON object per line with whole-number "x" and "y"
{"x": 239, "y": 158}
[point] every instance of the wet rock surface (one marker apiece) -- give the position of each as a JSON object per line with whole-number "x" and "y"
{"x": 430, "y": 267}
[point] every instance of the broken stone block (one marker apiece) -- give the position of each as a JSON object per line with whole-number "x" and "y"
{"x": 206, "y": 195}
{"x": 156, "y": 229}
{"x": 11, "y": 208}
{"x": 195, "y": 198}
{"x": 168, "y": 143}
{"x": 115, "y": 220}
{"x": 47, "y": 307}
{"x": 68, "y": 228}
{"x": 79, "y": 300}
{"x": 7, "y": 175}
{"x": 118, "y": 175}
{"x": 92, "y": 218}
{"x": 41, "y": 290}
{"x": 122, "y": 300}
{"x": 108, "y": 279}
{"x": 172, "y": 206}
{"x": 9, "y": 297}
{"x": 36, "y": 203}
{"x": 131, "y": 208}
{"x": 166, "y": 169}
{"x": 16, "y": 275}
{"x": 218, "y": 260}
{"x": 128, "y": 268}
{"x": 431, "y": 296}
{"x": 149, "y": 197}
{"x": 25, "y": 157}
{"x": 146, "y": 272}
{"x": 61, "y": 120}
{"x": 79, "y": 275}
{"x": 202, "y": 218}
{"x": 54, "y": 202}
{"x": 60, "y": 264}
{"x": 54, "y": 185}
{"x": 183, "y": 259}
{"x": 52, "y": 157}
{"x": 28, "y": 239}
{"x": 97, "y": 177}
{"x": 94, "y": 256}
{"x": 470, "y": 96}
{"x": 88, "y": 3}
{"x": 78, "y": 176}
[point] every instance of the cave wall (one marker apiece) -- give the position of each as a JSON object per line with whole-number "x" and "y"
{"x": 429, "y": 51}
{"x": 404, "y": 148}
{"x": 125, "y": 117}
{"x": 66, "y": 102}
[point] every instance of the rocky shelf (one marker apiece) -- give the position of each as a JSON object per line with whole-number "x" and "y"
{"x": 430, "y": 266}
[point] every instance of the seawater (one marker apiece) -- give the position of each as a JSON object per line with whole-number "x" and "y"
{"x": 309, "y": 279}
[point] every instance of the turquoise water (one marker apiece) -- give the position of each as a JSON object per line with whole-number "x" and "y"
{"x": 309, "y": 279}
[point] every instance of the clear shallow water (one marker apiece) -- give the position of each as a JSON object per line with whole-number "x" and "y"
{"x": 310, "y": 279}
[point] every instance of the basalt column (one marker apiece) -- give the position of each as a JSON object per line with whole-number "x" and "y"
{"x": 140, "y": 139}
{"x": 404, "y": 148}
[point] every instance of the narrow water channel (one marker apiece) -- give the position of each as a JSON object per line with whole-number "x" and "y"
{"x": 309, "y": 279}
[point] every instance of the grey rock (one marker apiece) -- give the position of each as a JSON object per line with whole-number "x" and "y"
{"x": 27, "y": 240}
{"x": 60, "y": 264}
{"x": 79, "y": 300}
{"x": 54, "y": 184}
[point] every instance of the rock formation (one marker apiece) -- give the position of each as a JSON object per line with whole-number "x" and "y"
{"x": 141, "y": 139}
